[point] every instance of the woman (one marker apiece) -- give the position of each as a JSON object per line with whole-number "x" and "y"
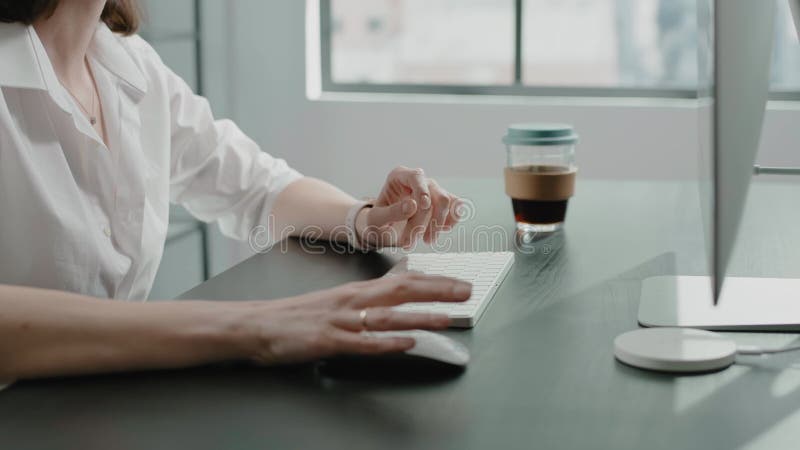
{"x": 97, "y": 136}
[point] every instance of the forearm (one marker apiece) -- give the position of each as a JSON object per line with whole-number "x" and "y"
{"x": 312, "y": 207}
{"x": 51, "y": 333}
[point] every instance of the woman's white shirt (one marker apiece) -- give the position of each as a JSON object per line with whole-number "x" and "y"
{"x": 80, "y": 217}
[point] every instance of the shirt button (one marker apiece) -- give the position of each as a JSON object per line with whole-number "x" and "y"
{"x": 107, "y": 232}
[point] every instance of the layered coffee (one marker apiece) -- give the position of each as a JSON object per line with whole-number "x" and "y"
{"x": 540, "y": 193}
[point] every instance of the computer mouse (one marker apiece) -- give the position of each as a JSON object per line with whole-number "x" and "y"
{"x": 434, "y": 356}
{"x": 437, "y": 347}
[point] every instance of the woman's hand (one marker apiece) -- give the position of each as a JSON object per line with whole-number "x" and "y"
{"x": 330, "y": 322}
{"x": 409, "y": 206}
{"x": 47, "y": 333}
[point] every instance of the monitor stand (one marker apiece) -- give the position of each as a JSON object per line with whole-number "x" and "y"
{"x": 745, "y": 304}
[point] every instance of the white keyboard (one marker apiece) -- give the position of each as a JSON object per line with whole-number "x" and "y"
{"x": 484, "y": 270}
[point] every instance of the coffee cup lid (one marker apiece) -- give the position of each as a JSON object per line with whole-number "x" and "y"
{"x": 540, "y": 134}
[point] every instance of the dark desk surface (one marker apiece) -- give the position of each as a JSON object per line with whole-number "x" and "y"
{"x": 542, "y": 376}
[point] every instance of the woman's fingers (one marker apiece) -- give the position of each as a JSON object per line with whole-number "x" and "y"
{"x": 435, "y": 207}
{"x": 441, "y": 201}
{"x": 414, "y": 229}
{"x": 381, "y": 216}
{"x": 383, "y": 222}
{"x": 454, "y": 215}
{"x": 360, "y": 343}
{"x": 413, "y": 179}
{"x": 330, "y": 322}
{"x": 387, "y": 319}
{"x": 406, "y": 288}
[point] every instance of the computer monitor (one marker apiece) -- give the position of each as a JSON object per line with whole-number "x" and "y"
{"x": 744, "y": 36}
{"x": 734, "y": 87}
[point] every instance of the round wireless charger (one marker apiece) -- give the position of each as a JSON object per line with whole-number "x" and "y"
{"x": 675, "y": 350}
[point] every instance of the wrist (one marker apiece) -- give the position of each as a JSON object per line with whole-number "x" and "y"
{"x": 230, "y": 329}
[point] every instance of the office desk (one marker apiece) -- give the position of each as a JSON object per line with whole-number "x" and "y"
{"x": 542, "y": 375}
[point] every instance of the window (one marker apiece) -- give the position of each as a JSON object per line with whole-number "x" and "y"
{"x": 527, "y": 47}
{"x": 404, "y": 42}
{"x": 785, "y": 56}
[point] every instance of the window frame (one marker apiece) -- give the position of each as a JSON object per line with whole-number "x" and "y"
{"x": 515, "y": 89}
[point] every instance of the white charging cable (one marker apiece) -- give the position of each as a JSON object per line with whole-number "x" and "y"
{"x": 756, "y": 350}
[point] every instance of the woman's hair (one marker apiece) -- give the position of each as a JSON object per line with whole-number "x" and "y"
{"x": 121, "y": 16}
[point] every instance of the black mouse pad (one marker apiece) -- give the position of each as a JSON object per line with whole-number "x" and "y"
{"x": 396, "y": 368}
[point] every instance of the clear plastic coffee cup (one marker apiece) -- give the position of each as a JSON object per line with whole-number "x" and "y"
{"x": 540, "y": 174}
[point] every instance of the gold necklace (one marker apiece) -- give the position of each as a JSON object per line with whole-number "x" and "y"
{"x": 92, "y": 116}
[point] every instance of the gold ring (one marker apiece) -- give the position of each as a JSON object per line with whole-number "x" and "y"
{"x": 363, "y": 316}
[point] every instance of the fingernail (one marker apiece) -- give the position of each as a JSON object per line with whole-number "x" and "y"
{"x": 463, "y": 289}
{"x": 426, "y": 201}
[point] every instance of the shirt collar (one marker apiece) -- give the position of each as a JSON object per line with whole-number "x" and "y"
{"x": 31, "y": 68}
{"x": 115, "y": 55}
{"x": 20, "y": 66}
